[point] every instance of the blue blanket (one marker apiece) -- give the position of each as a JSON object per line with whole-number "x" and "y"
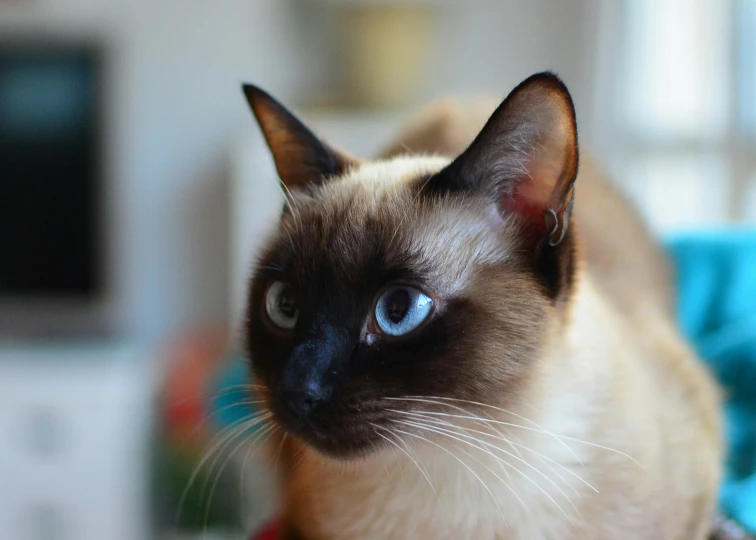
{"x": 716, "y": 279}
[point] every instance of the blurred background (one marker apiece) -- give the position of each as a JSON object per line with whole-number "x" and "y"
{"x": 135, "y": 188}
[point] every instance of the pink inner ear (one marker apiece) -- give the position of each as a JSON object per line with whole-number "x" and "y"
{"x": 534, "y": 189}
{"x": 530, "y": 213}
{"x": 531, "y": 196}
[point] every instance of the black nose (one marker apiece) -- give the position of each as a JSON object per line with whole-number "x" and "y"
{"x": 300, "y": 402}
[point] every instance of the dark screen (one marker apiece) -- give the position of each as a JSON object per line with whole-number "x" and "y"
{"x": 49, "y": 171}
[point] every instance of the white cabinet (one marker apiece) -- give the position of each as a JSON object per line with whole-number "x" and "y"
{"x": 74, "y": 440}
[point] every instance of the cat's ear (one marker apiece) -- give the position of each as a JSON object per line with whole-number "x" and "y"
{"x": 526, "y": 157}
{"x": 301, "y": 158}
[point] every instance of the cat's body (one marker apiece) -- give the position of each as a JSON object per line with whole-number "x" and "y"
{"x": 576, "y": 412}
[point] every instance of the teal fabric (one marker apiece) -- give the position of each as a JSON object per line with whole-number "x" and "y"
{"x": 716, "y": 279}
{"x": 229, "y": 397}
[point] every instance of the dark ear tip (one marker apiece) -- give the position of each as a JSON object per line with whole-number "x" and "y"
{"x": 258, "y": 98}
{"x": 253, "y": 92}
{"x": 547, "y": 79}
{"x": 546, "y": 83}
{"x": 263, "y": 105}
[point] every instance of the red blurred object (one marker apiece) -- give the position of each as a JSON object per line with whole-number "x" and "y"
{"x": 194, "y": 359}
{"x": 268, "y": 532}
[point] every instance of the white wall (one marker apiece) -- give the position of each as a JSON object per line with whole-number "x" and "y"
{"x": 492, "y": 45}
{"x": 175, "y": 106}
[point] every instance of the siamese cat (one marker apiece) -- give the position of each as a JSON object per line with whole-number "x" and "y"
{"x": 467, "y": 339}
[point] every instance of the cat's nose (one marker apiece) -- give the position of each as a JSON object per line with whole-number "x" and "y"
{"x": 301, "y": 401}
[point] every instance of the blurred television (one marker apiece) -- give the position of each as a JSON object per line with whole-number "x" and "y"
{"x": 52, "y": 263}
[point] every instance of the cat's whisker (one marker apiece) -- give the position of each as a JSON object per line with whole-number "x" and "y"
{"x": 471, "y": 416}
{"x": 280, "y": 447}
{"x": 296, "y": 215}
{"x": 456, "y": 427}
{"x": 248, "y": 384}
{"x": 408, "y": 447}
{"x": 396, "y": 457}
{"x": 511, "y": 413}
{"x": 290, "y": 201}
{"x": 288, "y": 234}
{"x": 482, "y": 483}
{"x": 218, "y": 441}
{"x": 544, "y": 458}
{"x": 239, "y": 425}
{"x": 220, "y": 393}
{"x": 252, "y": 389}
{"x": 375, "y": 447}
{"x": 271, "y": 267}
{"x": 498, "y": 435}
{"x": 451, "y": 434}
{"x": 514, "y": 445}
{"x": 239, "y": 432}
{"x": 457, "y": 431}
{"x": 498, "y": 459}
{"x": 413, "y": 460}
{"x": 242, "y": 492}
{"x": 187, "y": 438}
{"x": 493, "y": 428}
{"x": 300, "y": 454}
{"x": 242, "y": 476}
{"x": 266, "y": 431}
{"x": 443, "y": 401}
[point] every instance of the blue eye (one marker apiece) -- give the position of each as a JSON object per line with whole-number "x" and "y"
{"x": 400, "y": 310}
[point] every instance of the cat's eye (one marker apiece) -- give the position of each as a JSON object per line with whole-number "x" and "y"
{"x": 399, "y": 310}
{"x": 281, "y": 305}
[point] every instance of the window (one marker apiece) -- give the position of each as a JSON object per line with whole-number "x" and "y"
{"x": 684, "y": 110}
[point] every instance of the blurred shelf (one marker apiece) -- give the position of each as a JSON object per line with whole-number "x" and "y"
{"x": 75, "y": 424}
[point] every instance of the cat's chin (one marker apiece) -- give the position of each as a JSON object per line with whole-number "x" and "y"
{"x": 344, "y": 444}
{"x": 340, "y": 450}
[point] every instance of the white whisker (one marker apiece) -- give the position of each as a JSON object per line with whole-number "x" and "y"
{"x": 422, "y": 471}
{"x": 218, "y": 454}
{"x": 499, "y": 461}
{"x": 476, "y": 403}
{"x": 514, "y": 444}
{"x": 470, "y": 416}
{"x": 448, "y": 433}
{"x": 280, "y": 447}
{"x": 290, "y": 202}
{"x": 196, "y": 428}
{"x": 482, "y": 483}
{"x": 267, "y": 430}
{"x": 239, "y": 425}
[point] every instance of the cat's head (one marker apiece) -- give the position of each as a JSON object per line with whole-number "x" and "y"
{"x": 411, "y": 286}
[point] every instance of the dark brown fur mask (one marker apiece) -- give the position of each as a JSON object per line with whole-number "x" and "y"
{"x": 411, "y": 282}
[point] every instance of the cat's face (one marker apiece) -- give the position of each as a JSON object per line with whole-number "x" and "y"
{"x": 403, "y": 286}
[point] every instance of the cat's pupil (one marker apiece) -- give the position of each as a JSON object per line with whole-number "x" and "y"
{"x": 287, "y": 304}
{"x": 397, "y": 305}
